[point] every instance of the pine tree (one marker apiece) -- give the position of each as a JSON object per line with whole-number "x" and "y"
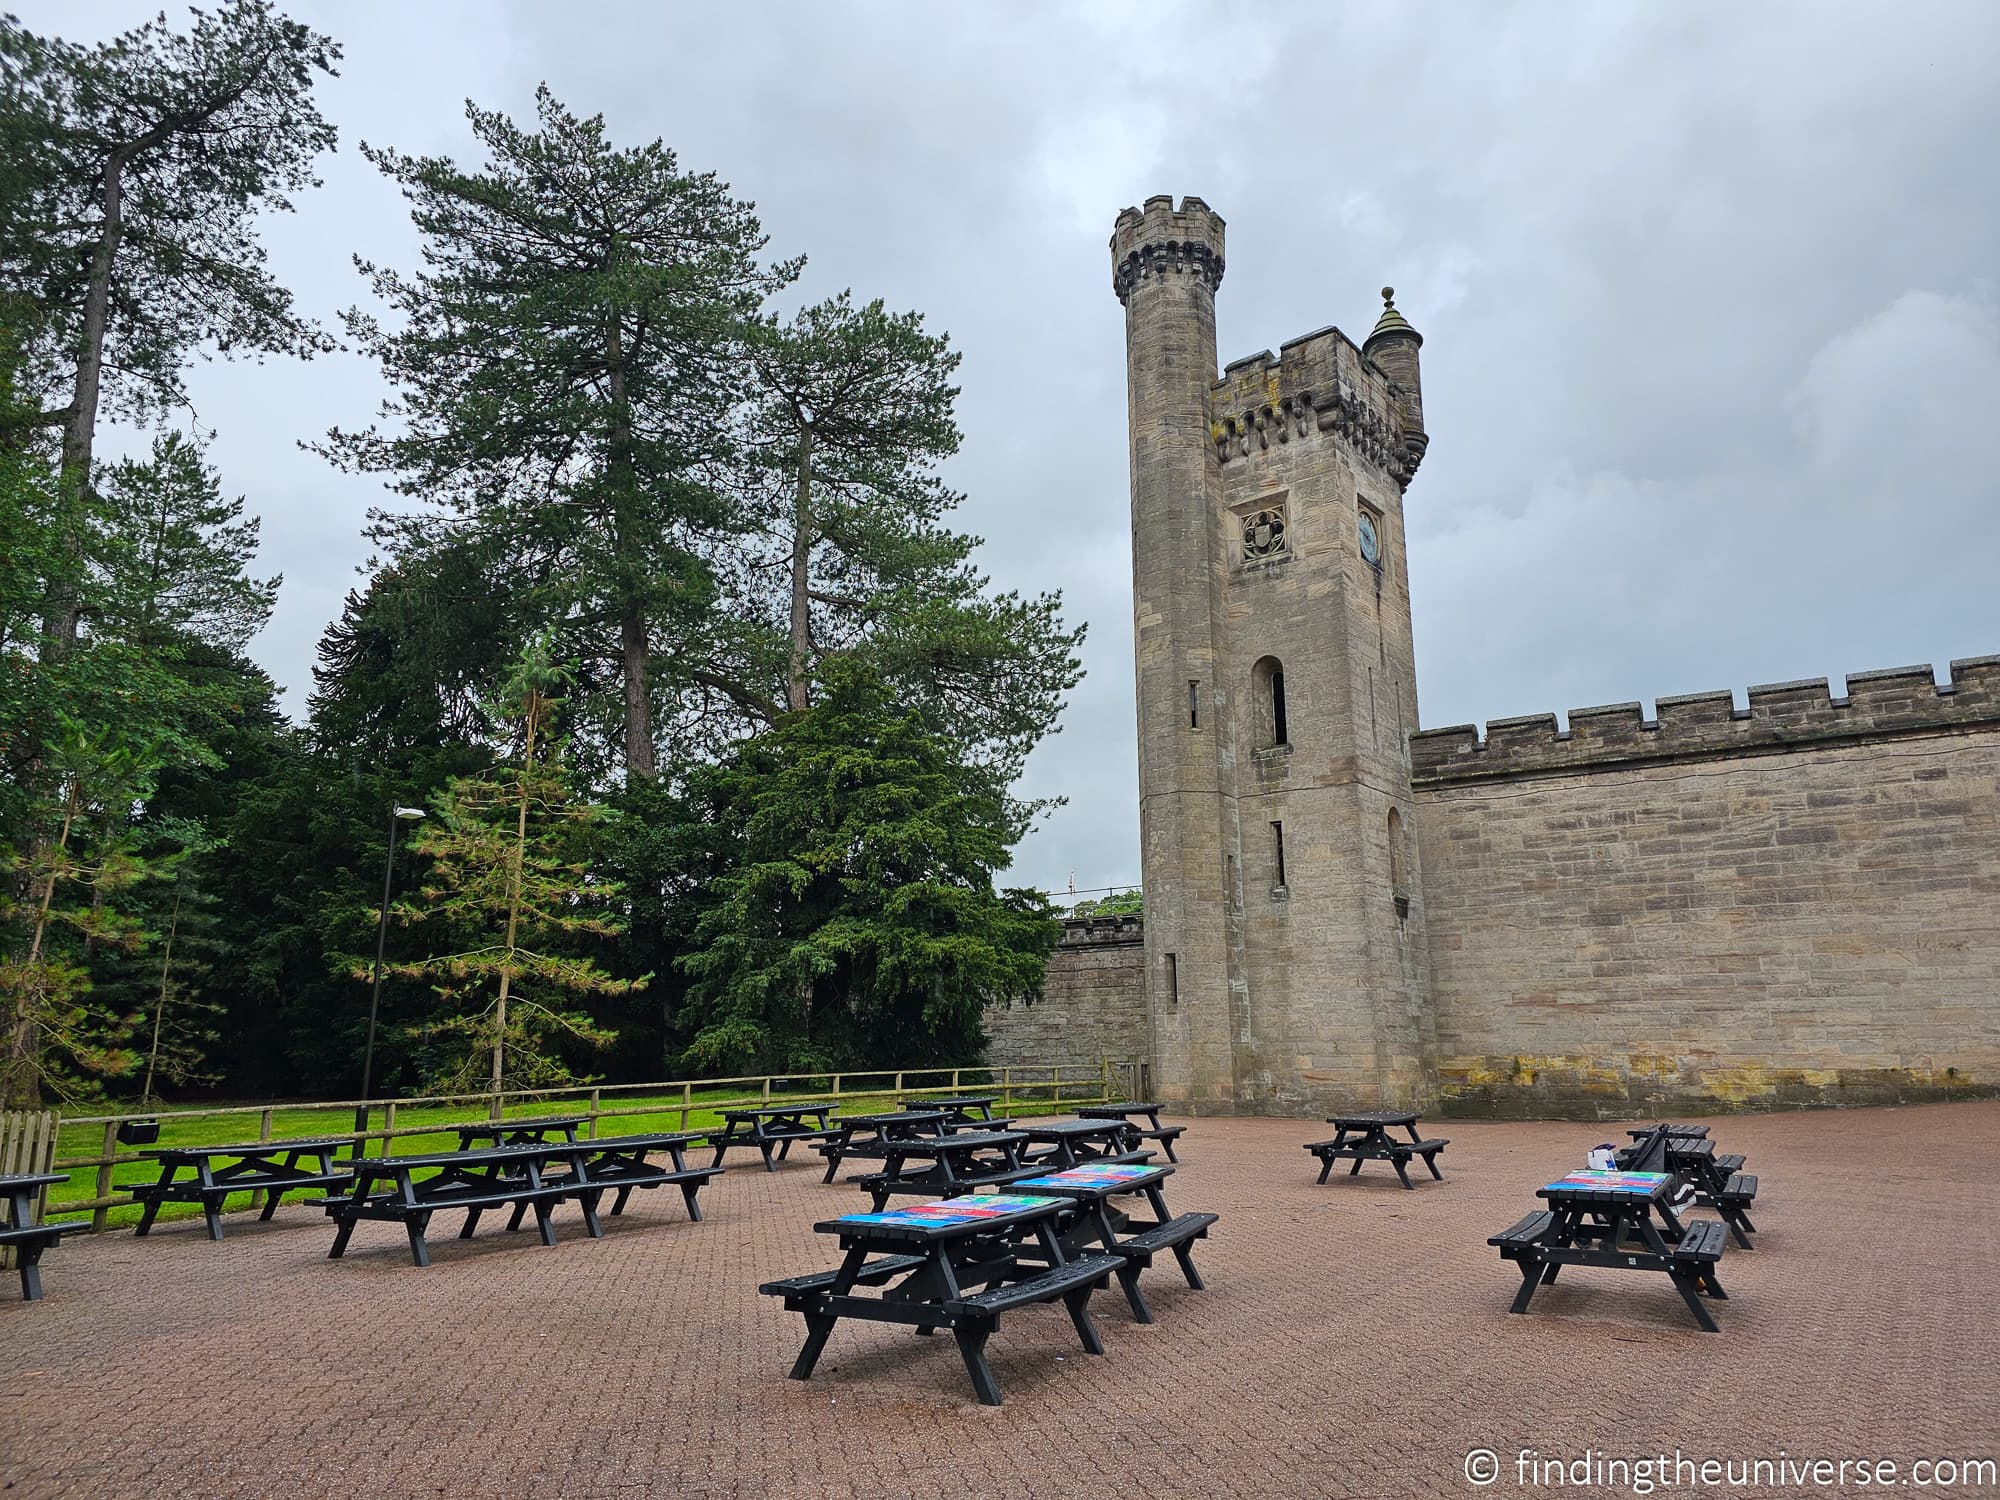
{"x": 565, "y": 370}
{"x": 504, "y": 874}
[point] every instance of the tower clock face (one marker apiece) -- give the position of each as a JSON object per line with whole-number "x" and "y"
{"x": 1371, "y": 544}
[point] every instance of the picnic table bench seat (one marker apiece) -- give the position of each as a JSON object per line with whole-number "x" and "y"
{"x": 1175, "y": 1234}
{"x": 874, "y": 1273}
{"x": 1703, "y": 1241}
{"x": 1071, "y": 1279}
{"x": 27, "y": 1236}
{"x": 1522, "y": 1235}
{"x": 883, "y": 1184}
{"x": 1733, "y": 1162}
{"x": 618, "y": 1164}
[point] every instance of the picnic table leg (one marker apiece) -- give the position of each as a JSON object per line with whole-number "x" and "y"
{"x": 819, "y": 1328}
{"x": 1685, "y": 1285}
{"x": 1431, "y": 1161}
{"x": 1184, "y": 1253}
{"x": 833, "y": 1154}
{"x": 544, "y": 1220}
{"x": 472, "y": 1222}
{"x": 721, "y": 1146}
{"x": 341, "y": 1237}
{"x": 1355, "y": 1170}
{"x": 271, "y": 1199}
{"x": 520, "y": 1212}
{"x": 1078, "y": 1303}
{"x": 972, "y": 1349}
{"x": 588, "y": 1203}
{"x": 1400, "y": 1163}
{"x": 624, "y": 1197}
{"x": 1128, "y": 1283}
{"x": 211, "y": 1210}
{"x": 765, "y": 1147}
{"x": 784, "y": 1148}
{"x": 1168, "y": 1143}
{"x": 31, "y": 1273}
{"x": 146, "y": 1218}
{"x": 1531, "y": 1277}
{"x": 688, "y": 1190}
{"x": 415, "y": 1226}
{"x": 1325, "y": 1166}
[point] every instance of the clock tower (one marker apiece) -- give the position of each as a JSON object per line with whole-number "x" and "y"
{"x": 1285, "y": 960}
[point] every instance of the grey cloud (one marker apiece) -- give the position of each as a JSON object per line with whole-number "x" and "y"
{"x": 1711, "y": 348}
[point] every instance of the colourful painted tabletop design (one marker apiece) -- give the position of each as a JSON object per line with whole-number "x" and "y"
{"x": 952, "y": 1211}
{"x": 1608, "y": 1182}
{"x": 1090, "y": 1174}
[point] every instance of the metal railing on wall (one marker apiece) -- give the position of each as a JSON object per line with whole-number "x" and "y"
{"x": 1019, "y": 1088}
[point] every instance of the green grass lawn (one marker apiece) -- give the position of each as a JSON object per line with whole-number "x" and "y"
{"x": 430, "y": 1130}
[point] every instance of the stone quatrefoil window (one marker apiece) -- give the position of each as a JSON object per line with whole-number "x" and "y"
{"x": 1264, "y": 534}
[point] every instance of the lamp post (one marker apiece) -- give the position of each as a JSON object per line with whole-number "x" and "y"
{"x": 396, "y": 815}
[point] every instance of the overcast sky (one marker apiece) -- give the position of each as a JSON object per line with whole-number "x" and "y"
{"x": 1712, "y": 335}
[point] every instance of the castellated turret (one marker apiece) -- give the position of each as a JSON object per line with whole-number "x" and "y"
{"x": 1276, "y": 690}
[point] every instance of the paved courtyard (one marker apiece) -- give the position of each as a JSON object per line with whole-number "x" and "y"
{"x": 1354, "y": 1341}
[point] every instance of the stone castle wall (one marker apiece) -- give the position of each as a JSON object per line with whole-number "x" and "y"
{"x": 1094, "y": 1005}
{"x": 1793, "y": 903}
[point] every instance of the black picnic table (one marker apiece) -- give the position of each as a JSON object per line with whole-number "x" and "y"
{"x": 950, "y": 1264}
{"x": 945, "y": 1166}
{"x": 1620, "y": 1220}
{"x": 273, "y": 1168}
{"x": 899, "y": 1124}
{"x": 1719, "y": 1181}
{"x": 528, "y": 1130}
{"x": 22, "y": 1232}
{"x": 1366, "y": 1137}
{"x": 532, "y": 1175}
{"x": 960, "y": 1110}
{"x": 1101, "y": 1224}
{"x": 1065, "y": 1143}
{"x": 771, "y": 1125}
{"x": 1126, "y": 1109}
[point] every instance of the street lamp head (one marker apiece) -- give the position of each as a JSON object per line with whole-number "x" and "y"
{"x": 410, "y": 814}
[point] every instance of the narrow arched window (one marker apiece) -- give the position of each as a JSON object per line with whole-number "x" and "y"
{"x": 1399, "y": 865}
{"x": 1268, "y": 682}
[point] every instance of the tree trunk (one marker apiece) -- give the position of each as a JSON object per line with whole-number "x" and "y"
{"x": 160, "y": 1010}
{"x": 514, "y": 893}
{"x": 21, "y": 1078}
{"x": 797, "y": 669}
{"x": 80, "y": 432}
{"x": 634, "y": 651}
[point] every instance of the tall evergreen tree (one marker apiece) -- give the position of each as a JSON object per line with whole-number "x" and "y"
{"x": 842, "y": 549}
{"x": 565, "y": 370}
{"x": 855, "y": 920}
{"x": 505, "y": 874}
{"x": 138, "y": 168}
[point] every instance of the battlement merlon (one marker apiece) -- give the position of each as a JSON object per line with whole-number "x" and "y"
{"x": 1319, "y": 382}
{"x": 1900, "y": 701}
{"x": 1161, "y": 240}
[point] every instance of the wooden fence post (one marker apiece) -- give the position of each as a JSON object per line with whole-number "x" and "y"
{"x": 101, "y": 1215}
{"x": 767, "y": 1088}
{"x": 687, "y": 1103}
{"x": 1007, "y": 1090}
{"x": 596, "y": 1099}
{"x": 389, "y": 1128}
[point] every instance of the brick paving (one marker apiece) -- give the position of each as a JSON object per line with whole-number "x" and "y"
{"x": 1354, "y": 1341}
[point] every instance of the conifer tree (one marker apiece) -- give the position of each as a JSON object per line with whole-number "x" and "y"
{"x": 564, "y": 371}
{"x": 505, "y": 877}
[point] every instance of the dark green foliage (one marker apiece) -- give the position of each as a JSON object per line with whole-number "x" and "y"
{"x": 564, "y": 371}
{"x": 854, "y": 919}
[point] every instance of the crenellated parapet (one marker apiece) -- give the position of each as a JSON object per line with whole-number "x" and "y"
{"x": 1160, "y": 241}
{"x": 1321, "y": 383}
{"x": 1779, "y": 717}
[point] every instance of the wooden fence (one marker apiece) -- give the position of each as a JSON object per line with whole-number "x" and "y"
{"x": 27, "y": 1147}
{"x": 1019, "y": 1089}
